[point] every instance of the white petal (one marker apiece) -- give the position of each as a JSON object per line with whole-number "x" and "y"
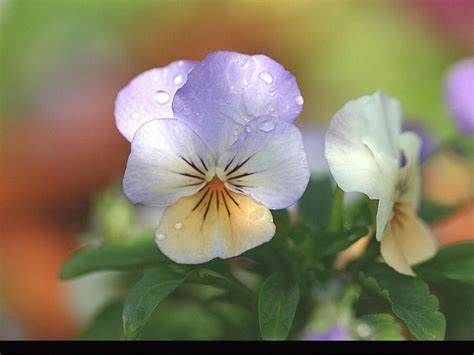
{"x": 362, "y": 150}
{"x": 407, "y": 240}
{"x": 168, "y": 161}
{"x": 214, "y": 224}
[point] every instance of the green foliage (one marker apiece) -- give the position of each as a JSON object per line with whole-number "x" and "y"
{"x": 106, "y": 324}
{"x": 315, "y": 204}
{"x": 155, "y": 285}
{"x": 136, "y": 253}
{"x": 277, "y": 303}
{"x": 454, "y": 262}
{"x": 382, "y": 327}
{"x": 410, "y": 301}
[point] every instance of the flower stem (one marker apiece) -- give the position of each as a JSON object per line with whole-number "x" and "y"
{"x": 337, "y": 219}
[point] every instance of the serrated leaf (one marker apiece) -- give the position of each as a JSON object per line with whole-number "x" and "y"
{"x": 277, "y": 303}
{"x": 123, "y": 255}
{"x": 382, "y": 327}
{"x": 454, "y": 262}
{"x": 410, "y": 300}
{"x": 155, "y": 285}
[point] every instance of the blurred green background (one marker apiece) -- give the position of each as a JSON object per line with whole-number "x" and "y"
{"x": 63, "y": 62}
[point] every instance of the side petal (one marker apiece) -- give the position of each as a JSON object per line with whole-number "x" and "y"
{"x": 267, "y": 163}
{"x": 227, "y": 89}
{"x": 149, "y": 96}
{"x": 167, "y": 161}
{"x": 213, "y": 224}
{"x": 408, "y": 241}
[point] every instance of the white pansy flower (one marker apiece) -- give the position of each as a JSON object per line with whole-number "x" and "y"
{"x": 368, "y": 153}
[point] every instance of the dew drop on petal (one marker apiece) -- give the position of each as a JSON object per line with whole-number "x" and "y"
{"x": 266, "y": 77}
{"x": 248, "y": 129}
{"x": 160, "y": 236}
{"x": 178, "y": 79}
{"x": 162, "y": 97}
{"x": 178, "y": 225}
{"x": 135, "y": 116}
{"x": 180, "y": 63}
{"x": 267, "y": 126}
{"x": 299, "y": 100}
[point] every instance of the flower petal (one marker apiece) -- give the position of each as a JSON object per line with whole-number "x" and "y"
{"x": 362, "y": 149}
{"x": 407, "y": 241}
{"x": 227, "y": 89}
{"x": 168, "y": 161}
{"x": 267, "y": 163}
{"x": 149, "y": 96}
{"x": 213, "y": 224}
{"x": 459, "y": 94}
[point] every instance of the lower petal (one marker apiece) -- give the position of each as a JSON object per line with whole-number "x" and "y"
{"x": 407, "y": 241}
{"x": 212, "y": 224}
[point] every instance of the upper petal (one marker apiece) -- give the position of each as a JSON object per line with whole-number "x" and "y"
{"x": 361, "y": 145}
{"x": 227, "y": 89}
{"x": 149, "y": 96}
{"x": 168, "y": 161}
{"x": 212, "y": 224}
{"x": 268, "y": 163}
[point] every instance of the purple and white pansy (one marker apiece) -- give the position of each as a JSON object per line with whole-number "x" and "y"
{"x": 213, "y": 144}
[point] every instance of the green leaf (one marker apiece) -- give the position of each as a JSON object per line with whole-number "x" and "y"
{"x": 382, "y": 327}
{"x": 123, "y": 255}
{"x": 410, "y": 300}
{"x": 106, "y": 325}
{"x": 315, "y": 204}
{"x": 454, "y": 262}
{"x": 155, "y": 285}
{"x": 277, "y": 302}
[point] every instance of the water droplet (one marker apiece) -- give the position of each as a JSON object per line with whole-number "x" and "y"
{"x": 363, "y": 330}
{"x": 136, "y": 116}
{"x": 178, "y": 79}
{"x": 299, "y": 100}
{"x": 178, "y": 225}
{"x": 162, "y": 97}
{"x": 180, "y": 63}
{"x": 266, "y": 77}
{"x": 248, "y": 129}
{"x": 160, "y": 236}
{"x": 267, "y": 126}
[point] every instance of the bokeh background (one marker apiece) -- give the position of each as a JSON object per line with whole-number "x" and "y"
{"x": 63, "y": 62}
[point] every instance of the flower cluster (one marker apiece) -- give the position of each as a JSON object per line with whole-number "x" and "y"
{"x": 213, "y": 143}
{"x": 213, "y": 148}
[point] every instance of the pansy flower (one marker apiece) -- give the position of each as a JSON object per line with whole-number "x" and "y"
{"x": 213, "y": 143}
{"x": 368, "y": 153}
